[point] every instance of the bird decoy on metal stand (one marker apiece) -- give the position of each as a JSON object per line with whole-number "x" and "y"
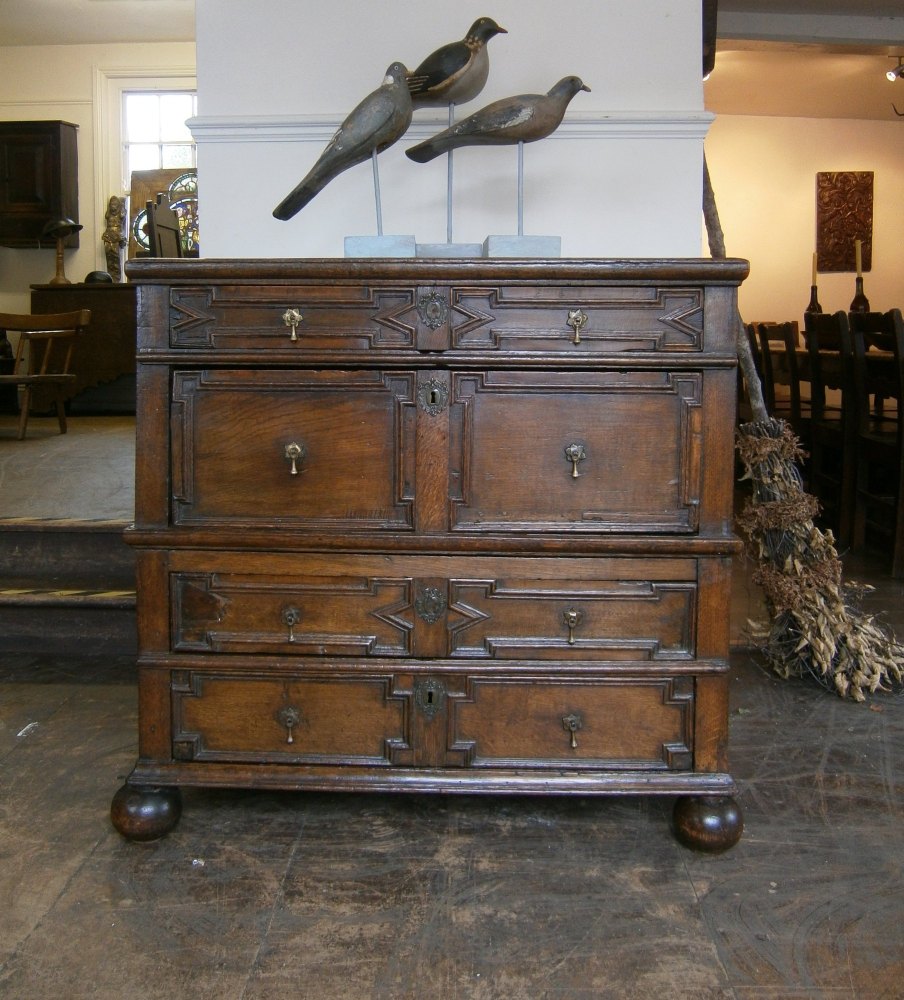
{"x": 525, "y": 118}
{"x": 454, "y": 74}
{"x": 380, "y": 120}
{"x": 513, "y": 120}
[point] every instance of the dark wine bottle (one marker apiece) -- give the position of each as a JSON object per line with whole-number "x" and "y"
{"x": 814, "y": 306}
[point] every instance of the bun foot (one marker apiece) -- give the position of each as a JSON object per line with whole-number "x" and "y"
{"x": 141, "y": 813}
{"x": 708, "y": 823}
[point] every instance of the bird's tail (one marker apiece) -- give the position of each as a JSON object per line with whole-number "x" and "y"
{"x": 299, "y": 196}
{"x": 427, "y": 150}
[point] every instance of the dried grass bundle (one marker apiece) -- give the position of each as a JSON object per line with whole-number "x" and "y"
{"x": 816, "y": 628}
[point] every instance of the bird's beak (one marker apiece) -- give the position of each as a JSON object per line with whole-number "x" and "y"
{"x": 585, "y": 87}
{"x": 500, "y": 30}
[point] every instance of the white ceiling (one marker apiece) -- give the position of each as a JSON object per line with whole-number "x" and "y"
{"x": 80, "y": 22}
{"x": 808, "y": 59}
{"x": 803, "y": 82}
{"x": 859, "y": 8}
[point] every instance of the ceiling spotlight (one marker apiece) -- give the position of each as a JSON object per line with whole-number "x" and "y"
{"x": 898, "y": 71}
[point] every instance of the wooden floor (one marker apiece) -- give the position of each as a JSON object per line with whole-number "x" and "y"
{"x": 265, "y": 895}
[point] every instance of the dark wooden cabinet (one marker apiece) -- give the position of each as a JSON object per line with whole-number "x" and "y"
{"x": 104, "y": 360}
{"x": 38, "y": 181}
{"x": 457, "y": 526}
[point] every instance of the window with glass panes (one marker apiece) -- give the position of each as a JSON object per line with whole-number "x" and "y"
{"x": 154, "y": 132}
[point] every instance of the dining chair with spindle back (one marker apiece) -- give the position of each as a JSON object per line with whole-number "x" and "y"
{"x": 878, "y": 374}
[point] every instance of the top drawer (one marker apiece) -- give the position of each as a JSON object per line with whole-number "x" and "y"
{"x": 568, "y": 320}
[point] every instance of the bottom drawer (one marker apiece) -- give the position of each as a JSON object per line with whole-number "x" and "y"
{"x": 439, "y": 720}
{"x": 330, "y": 720}
{"x": 606, "y": 724}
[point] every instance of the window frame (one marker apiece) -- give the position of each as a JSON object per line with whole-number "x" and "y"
{"x": 110, "y": 84}
{"x": 160, "y": 143}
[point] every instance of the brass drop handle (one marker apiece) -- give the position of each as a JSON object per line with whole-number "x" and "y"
{"x": 292, "y": 317}
{"x": 295, "y": 453}
{"x": 571, "y": 724}
{"x": 288, "y": 717}
{"x": 577, "y": 318}
{"x": 290, "y": 618}
{"x": 575, "y": 453}
{"x": 572, "y": 618}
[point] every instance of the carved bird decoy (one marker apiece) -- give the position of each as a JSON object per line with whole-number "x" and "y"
{"x": 524, "y": 118}
{"x": 381, "y": 119}
{"x": 455, "y": 73}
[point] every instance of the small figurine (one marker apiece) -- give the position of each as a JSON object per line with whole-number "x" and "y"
{"x": 113, "y": 239}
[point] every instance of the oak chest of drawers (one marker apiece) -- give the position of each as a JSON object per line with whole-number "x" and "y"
{"x": 448, "y": 526}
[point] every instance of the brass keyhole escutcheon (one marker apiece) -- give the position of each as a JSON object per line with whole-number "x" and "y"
{"x": 430, "y": 696}
{"x": 571, "y": 724}
{"x": 295, "y": 453}
{"x": 432, "y": 396}
{"x": 288, "y": 717}
{"x": 575, "y": 453}
{"x": 292, "y": 317}
{"x": 291, "y": 617}
{"x": 577, "y": 319}
{"x": 572, "y": 618}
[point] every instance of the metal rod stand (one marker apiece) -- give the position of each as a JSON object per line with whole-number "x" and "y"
{"x": 520, "y": 188}
{"x": 379, "y": 206}
{"x": 449, "y": 181}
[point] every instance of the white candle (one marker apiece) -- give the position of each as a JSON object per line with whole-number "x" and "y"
{"x": 813, "y": 280}
{"x": 857, "y": 256}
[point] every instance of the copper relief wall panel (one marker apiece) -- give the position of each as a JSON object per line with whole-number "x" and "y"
{"x": 844, "y": 214}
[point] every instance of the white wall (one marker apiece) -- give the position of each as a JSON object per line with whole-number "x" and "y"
{"x": 59, "y": 82}
{"x": 622, "y": 177}
{"x": 764, "y": 177}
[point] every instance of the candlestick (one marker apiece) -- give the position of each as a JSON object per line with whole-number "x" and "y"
{"x": 859, "y": 303}
{"x": 813, "y": 305}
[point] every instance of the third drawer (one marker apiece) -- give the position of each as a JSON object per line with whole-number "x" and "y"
{"x": 435, "y": 606}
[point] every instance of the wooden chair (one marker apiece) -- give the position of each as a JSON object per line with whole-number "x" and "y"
{"x": 832, "y": 466}
{"x": 43, "y": 356}
{"x": 878, "y": 373}
{"x": 164, "y": 234}
{"x": 782, "y": 389}
{"x": 870, "y": 324}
